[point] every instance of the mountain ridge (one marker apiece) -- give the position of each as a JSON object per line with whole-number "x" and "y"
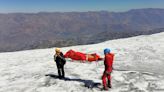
{"x": 20, "y": 31}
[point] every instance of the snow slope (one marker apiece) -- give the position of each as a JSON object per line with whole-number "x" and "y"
{"x": 138, "y": 67}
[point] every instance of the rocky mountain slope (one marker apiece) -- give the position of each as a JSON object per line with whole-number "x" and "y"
{"x": 20, "y": 31}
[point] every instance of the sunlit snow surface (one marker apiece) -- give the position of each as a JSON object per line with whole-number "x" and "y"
{"x": 138, "y": 67}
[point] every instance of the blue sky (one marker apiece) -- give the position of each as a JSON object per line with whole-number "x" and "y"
{"x": 7, "y": 6}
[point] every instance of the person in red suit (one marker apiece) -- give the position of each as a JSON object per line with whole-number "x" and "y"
{"x": 108, "y": 62}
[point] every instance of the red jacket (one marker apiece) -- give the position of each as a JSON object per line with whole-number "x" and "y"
{"x": 108, "y": 62}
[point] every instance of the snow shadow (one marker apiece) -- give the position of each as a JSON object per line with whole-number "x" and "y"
{"x": 87, "y": 83}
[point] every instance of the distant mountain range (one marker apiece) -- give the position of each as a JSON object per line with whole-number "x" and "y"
{"x": 20, "y": 31}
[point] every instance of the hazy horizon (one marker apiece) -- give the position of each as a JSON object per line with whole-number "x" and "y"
{"x": 35, "y": 6}
{"x": 75, "y": 11}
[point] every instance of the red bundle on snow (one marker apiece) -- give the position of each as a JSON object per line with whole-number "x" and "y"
{"x": 82, "y": 56}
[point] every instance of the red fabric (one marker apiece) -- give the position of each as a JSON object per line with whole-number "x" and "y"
{"x": 81, "y": 56}
{"x": 104, "y": 79}
{"x": 108, "y": 62}
{"x": 95, "y": 57}
{"x": 75, "y": 55}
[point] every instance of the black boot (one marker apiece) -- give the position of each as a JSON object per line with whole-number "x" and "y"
{"x": 109, "y": 84}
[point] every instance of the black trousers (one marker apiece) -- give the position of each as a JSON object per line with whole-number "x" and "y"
{"x": 61, "y": 72}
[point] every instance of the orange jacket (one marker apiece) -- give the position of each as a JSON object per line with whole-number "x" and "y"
{"x": 108, "y": 62}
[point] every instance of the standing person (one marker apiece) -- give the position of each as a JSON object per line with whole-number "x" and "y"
{"x": 108, "y": 62}
{"x": 60, "y": 62}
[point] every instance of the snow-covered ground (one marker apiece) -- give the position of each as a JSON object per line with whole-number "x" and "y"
{"x": 138, "y": 67}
